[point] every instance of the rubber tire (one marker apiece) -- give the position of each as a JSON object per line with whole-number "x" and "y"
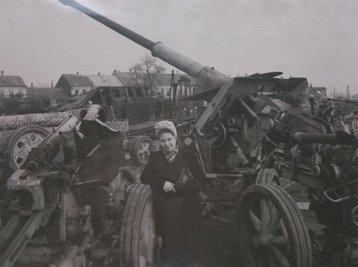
{"x": 135, "y": 147}
{"x": 138, "y": 200}
{"x": 268, "y": 176}
{"x": 291, "y": 216}
{"x": 15, "y": 136}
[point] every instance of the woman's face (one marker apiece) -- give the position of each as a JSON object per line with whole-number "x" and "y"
{"x": 167, "y": 142}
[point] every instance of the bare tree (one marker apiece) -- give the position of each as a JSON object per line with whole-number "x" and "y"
{"x": 147, "y": 71}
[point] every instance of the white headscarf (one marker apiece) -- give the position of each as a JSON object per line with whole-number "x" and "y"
{"x": 165, "y": 125}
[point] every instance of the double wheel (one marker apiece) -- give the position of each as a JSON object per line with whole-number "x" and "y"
{"x": 271, "y": 229}
{"x": 139, "y": 245}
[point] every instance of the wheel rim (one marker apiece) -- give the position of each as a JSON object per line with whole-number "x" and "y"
{"x": 144, "y": 149}
{"x": 23, "y": 146}
{"x": 272, "y": 232}
{"x": 141, "y": 146}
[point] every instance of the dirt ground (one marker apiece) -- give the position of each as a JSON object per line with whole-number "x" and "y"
{"x": 221, "y": 234}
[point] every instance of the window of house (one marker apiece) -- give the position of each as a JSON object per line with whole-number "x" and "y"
{"x": 115, "y": 93}
{"x": 122, "y": 92}
{"x": 118, "y": 92}
{"x": 130, "y": 92}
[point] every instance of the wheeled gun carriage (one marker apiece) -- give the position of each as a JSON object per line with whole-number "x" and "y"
{"x": 326, "y": 164}
{"x": 71, "y": 189}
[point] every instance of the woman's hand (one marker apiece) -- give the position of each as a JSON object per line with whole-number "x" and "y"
{"x": 168, "y": 186}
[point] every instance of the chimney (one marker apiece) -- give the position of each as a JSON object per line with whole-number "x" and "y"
{"x": 2, "y": 73}
{"x": 51, "y": 84}
{"x": 32, "y": 85}
{"x": 77, "y": 73}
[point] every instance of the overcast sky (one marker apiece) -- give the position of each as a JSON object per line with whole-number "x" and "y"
{"x": 317, "y": 39}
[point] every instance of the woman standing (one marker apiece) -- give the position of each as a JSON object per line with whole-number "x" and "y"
{"x": 176, "y": 177}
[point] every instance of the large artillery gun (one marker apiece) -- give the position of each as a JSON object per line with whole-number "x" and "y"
{"x": 228, "y": 136}
{"x": 233, "y": 102}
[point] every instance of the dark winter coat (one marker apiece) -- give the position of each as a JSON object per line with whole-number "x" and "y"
{"x": 178, "y": 215}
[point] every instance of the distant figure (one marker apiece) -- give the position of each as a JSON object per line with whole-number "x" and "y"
{"x": 176, "y": 177}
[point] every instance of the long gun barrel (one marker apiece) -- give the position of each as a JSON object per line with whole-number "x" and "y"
{"x": 322, "y": 138}
{"x": 343, "y": 100}
{"x": 208, "y": 78}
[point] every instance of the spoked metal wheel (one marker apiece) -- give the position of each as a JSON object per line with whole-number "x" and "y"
{"x": 141, "y": 148}
{"x": 139, "y": 244}
{"x": 21, "y": 142}
{"x": 271, "y": 229}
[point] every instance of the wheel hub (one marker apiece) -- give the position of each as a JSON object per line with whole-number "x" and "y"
{"x": 262, "y": 241}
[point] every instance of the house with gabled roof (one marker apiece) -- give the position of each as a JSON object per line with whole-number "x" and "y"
{"x": 162, "y": 85}
{"x": 133, "y": 85}
{"x": 74, "y": 84}
{"x": 11, "y": 85}
{"x": 129, "y": 78}
{"x": 100, "y": 80}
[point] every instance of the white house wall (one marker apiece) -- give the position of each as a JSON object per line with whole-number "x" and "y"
{"x": 12, "y": 90}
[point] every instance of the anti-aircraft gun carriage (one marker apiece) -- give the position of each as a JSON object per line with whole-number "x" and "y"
{"x": 228, "y": 132}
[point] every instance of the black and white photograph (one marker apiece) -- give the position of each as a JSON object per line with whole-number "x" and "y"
{"x": 178, "y": 133}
